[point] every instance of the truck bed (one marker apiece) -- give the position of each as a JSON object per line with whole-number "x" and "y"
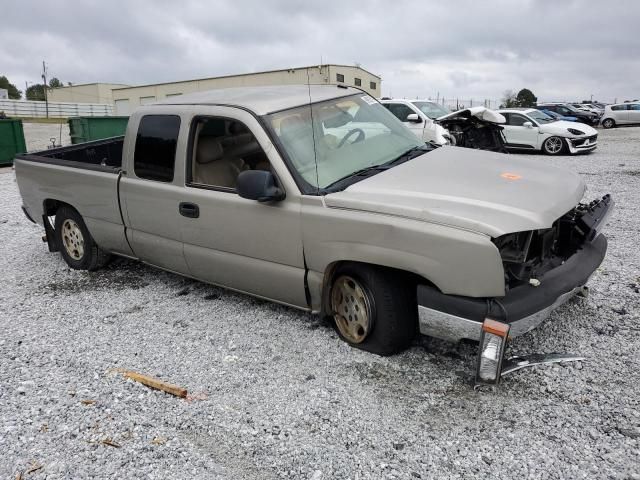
{"x": 104, "y": 155}
{"x": 85, "y": 176}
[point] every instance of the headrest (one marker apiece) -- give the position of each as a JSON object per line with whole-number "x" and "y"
{"x": 209, "y": 150}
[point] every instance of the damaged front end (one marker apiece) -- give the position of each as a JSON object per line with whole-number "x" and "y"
{"x": 476, "y": 127}
{"x": 527, "y": 256}
{"x": 532, "y": 261}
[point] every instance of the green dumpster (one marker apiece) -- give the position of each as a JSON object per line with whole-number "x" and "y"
{"x": 11, "y": 141}
{"x": 87, "y": 129}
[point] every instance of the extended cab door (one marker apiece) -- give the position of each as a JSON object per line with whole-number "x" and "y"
{"x": 152, "y": 185}
{"x": 231, "y": 241}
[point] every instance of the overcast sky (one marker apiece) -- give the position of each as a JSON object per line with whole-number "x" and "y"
{"x": 468, "y": 49}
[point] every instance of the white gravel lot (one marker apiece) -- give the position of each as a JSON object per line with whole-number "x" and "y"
{"x": 279, "y": 396}
{"x": 38, "y": 136}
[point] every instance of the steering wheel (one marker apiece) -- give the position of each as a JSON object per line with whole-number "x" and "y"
{"x": 350, "y": 133}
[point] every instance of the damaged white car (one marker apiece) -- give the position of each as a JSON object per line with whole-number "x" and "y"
{"x": 475, "y": 127}
{"x": 531, "y": 129}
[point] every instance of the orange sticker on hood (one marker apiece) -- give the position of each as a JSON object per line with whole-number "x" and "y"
{"x": 511, "y": 176}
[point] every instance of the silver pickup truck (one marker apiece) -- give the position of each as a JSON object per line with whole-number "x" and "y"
{"x": 317, "y": 197}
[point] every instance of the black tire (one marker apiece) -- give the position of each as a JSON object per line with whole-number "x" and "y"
{"x": 391, "y": 303}
{"x": 608, "y": 123}
{"x": 554, "y": 146}
{"x": 76, "y": 244}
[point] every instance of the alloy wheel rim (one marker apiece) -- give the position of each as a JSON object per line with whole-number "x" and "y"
{"x": 72, "y": 239}
{"x": 554, "y": 145}
{"x": 352, "y": 312}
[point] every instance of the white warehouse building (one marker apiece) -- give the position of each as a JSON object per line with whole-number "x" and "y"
{"x": 126, "y": 99}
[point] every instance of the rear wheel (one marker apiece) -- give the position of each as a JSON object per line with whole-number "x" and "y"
{"x": 373, "y": 309}
{"x": 77, "y": 247}
{"x": 553, "y": 146}
{"x": 609, "y": 123}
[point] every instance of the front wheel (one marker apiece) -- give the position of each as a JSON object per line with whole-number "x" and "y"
{"x": 373, "y": 309}
{"x": 609, "y": 123}
{"x": 553, "y": 146}
{"x": 77, "y": 247}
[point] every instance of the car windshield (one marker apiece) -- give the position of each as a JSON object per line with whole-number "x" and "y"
{"x": 540, "y": 117}
{"x": 329, "y": 141}
{"x": 431, "y": 110}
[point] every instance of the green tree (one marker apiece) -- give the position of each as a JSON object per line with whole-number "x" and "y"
{"x": 55, "y": 83}
{"x": 14, "y": 93}
{"x": 508, "y": 99}
{"x": 35, "y": 92}
{"x": 526, "y": 98}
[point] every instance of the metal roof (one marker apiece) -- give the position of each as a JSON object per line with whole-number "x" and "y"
{"x": 249, "y": 74}
{"x": 263, "y": 100}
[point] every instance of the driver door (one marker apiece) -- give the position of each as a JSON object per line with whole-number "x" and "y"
{"x": 231, "y": 241}
{"x": 519, "y": 135}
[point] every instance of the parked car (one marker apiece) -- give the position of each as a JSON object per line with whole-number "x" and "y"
{"x": 557, "y": 116}
{"x": 586, "y": 108}
{"x": 476, "y": 127}
{"x": 416, "y": 115}
{"x": 568, "y": 110}
{"x": 621, "y": 114}
{"x": 386, "y": 235}
{"x": 531, "y": 129}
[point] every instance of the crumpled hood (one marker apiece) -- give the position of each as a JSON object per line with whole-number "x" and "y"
{"x": 482, "y": 113}
{"x": 487, "y": 192}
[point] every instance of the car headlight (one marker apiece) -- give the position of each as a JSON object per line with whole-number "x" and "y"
{"x": 574, "y": 131}
{"x": 493, "y": 341}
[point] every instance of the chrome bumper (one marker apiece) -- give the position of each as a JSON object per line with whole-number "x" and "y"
{"x": 452, "y": 328}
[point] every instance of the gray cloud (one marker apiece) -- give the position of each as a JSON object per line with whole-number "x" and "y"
{"x": 464, "y": 48}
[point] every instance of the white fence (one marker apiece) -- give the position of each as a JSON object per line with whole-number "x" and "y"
{"x": 29, "y": 108}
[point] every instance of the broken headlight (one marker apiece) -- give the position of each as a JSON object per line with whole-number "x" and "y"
{"x": 493, "y": 341}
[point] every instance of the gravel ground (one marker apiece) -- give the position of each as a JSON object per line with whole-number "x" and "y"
{"x": 277, "y": 395}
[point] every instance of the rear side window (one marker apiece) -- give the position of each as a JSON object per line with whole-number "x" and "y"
{"x": 155, "y": 152}
{"x": 619, "y": 107}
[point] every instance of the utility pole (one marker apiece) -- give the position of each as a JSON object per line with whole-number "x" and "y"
{"x": 44, "y": 86}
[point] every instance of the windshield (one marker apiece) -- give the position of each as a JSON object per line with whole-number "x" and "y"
{"x": 328, "y": 141}
{"x": 540, "y": 117}
{"x": 431, "y": 110}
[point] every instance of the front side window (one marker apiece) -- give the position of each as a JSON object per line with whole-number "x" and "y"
{"x": 517, "y": 120}
{"x": 223, "y": 148}
{"x": 155, "y": 151}
{"x": 400, "y": 110}
{"x": 329, "y": 141}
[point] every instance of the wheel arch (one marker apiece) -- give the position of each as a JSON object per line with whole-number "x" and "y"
{"x": 330, "y": 270}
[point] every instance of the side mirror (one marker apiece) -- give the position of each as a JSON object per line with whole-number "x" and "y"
{"x": 258, "y": 185}
{"x": 413, "y": 118}
{"x": 527, "y": 124}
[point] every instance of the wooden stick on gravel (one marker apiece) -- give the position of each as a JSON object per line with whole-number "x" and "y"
{"x": 156, "y": 383}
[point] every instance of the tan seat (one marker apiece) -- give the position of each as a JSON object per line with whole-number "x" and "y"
{"x": 212, "y": 167}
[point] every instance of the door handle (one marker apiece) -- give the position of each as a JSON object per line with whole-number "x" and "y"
{"x": 190, "y": 210}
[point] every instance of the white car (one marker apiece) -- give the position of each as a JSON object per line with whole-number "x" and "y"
{"x": 621, "y": 114}
{"x": 531, "y": 129}
{"x": 419, "y": 116}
